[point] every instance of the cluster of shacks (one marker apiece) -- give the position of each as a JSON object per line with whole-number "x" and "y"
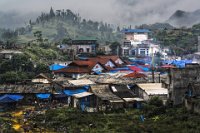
{"x": 84, "y": 94}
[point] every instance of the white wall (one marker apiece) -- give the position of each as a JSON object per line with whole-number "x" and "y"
{"x": 110, "y": 64}
{"x": 140, "y": 37}
{"x": 97, "y": 68}
{"x": 119, "y": 61}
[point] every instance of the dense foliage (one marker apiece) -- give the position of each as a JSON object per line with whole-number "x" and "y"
{"x": 180, "y": 41}
{"x": 20, "y": 68}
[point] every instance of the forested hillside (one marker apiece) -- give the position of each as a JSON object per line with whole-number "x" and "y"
{"x": 64, "y": 24}
{"x": 180, "y": 41}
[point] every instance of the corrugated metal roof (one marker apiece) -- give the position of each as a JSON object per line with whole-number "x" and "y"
{"x": 83, "y": 94}
{"x": 81, "y": 82}
{"x": 153, "y": 88}
{"x": 133, "y": 99}
{"x": 104, "y": 92}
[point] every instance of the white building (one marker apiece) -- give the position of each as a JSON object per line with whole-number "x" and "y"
{"x": 137, "y": 43}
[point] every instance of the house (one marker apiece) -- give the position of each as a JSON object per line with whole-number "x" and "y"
{"x": 148, "y": 90}
{"x": 107, "y": 63}
{"x": 147, "y": 48}
{"x": 92, "y": 65}
{"x": 125, "y": 93}
{"x": 135, "y": 36}
{"x": 80, "y": 67}
{"x": 8, "y": 54}
{"x": 137, "y": 43}
{"x": 132, "y": 37}
{"x": 105, "y": 99}
{"x": 84, "y": 45}
{"x": 116, "y": 59}
{"x": 41, "y": 78}
{"x": 79, "y": 97}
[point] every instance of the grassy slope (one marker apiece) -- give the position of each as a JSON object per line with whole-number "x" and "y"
{"x": 173, "y": 120}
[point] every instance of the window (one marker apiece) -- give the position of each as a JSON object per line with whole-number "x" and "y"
{"x": 127, "y": 44}
{"x": 126, "y": 51}
{"x": 133, "y": 52}
{"x": 88, "y": 50}
{"x": 93, "y": 48}
{"x": 142, "y": 51}
{"x": 80, "y": 50}
{"x": 147, "y": 52}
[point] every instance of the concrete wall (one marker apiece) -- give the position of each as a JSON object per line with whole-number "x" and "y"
{"x": 180, "y": 80}
{"x": 193, "y": 105}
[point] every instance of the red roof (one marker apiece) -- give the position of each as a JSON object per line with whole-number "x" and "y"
{"x": 135, "y": 68}
{"x": 112, "y": 57}
{"x": 100, "y": 60}
{"x": 83, "y": 63}
{"x": 73, "y": 70}
{"x": 135, "y": 75}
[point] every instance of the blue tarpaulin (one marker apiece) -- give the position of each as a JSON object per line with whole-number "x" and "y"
{"x": 97, "y": 72}
{"x": 10, "y": 98}
{"x": 55, "y": 67}
{"x": 145, "y": 69}
{"x": 43, "y": 96}
{"x": 177, "y": 63}
{"x": 72, "y": 92}
{"x": 86, "y": 87}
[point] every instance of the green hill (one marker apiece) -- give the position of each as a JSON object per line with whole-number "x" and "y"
{"x": 67, "y": 25}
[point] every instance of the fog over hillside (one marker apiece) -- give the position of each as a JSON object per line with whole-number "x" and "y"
{"x": 119, "y": 12}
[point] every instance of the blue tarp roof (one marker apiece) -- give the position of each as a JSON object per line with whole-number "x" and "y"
{"x": 72, "y": 92}
{"x": 86, "y": 87}
{"x": 55, "y": 67}
{"x": 135, "y": 31}
{"x": 10, "y": 98}
{"x": 43, "y": 96}
{"x": 145, "y": 69}
{"x": 178, "y": 63}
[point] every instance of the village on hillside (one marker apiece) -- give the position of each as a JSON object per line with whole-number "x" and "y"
{"x": 138, "y": 70}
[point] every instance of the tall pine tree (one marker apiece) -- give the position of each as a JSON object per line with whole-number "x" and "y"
{"x": 51, "y": 13}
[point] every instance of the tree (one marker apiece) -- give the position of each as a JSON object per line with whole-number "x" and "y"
{"x": 42, "y": 68}
{"x": 118, "y": 29}
{"x": 51, "y": 13}
{"x": 115, "y": 48}
{"x": 38, "y": 35}
{"x": 22, "y": 62}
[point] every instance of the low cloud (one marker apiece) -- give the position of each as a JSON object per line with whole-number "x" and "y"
{"x": 119, "y": 12}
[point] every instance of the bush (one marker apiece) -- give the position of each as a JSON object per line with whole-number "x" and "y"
{"x": 156, "y": 101}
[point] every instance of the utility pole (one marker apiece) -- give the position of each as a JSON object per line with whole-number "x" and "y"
{"x": 153, "y": 69}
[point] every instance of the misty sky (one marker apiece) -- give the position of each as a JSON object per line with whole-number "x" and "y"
{"x": 120, "y": 12}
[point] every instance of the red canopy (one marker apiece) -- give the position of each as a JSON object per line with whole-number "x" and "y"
{"x": 135, "y": 75}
